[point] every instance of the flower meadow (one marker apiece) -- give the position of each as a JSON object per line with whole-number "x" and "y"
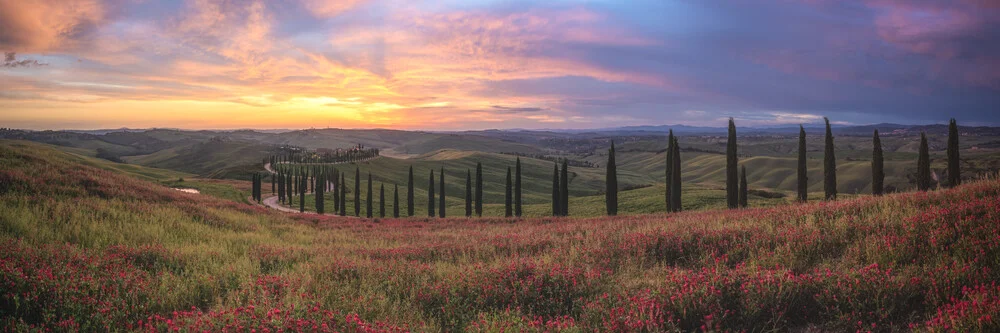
{"x": 87, "y": 249}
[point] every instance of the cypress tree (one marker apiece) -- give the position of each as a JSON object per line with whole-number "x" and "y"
{"x": 395, "y": 200}
{"x": 829, "y": 165}
{"x": 611, "y": 179}
{"x": 368, "y": 197}
{"x": 954, "y": 171}
{"x": 803, "y": 183}
{"x": 273, "y": 185}
{"x": 289, "y": 194}
{"x": 281, "y": 188}
{"x": 336, "y": 191}
{"x": 479, "y": 189}
{"x": 732, "y": 186}
{"x": 441, "y": 212}
{"x": 409, "y": 193}
{"x": 430, "y": 195}
{"x": 517, "y": 187}
{"x": 381, "y": 200}
{"x": 357, "y": 192}
{"x": 923, "y": 165}
{"x": 320, "y": 192}
{"x": 744, "y": 191}
{"x": 556, "y": 206}
{"x": 669, "y": 179}
{"x": 564, "y": 191}
{"x": 302, "y": 194}
{"x": 675, "y": 189}
{"x": 343, "y": 196}
{"x": 468, "y": 193}
{"x": 508, "y": 212}
{"x": 878, "y": 172}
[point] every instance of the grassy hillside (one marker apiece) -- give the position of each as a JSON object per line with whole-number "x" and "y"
{"x": 86, "y": 248}
{"x": 211, "y": 159}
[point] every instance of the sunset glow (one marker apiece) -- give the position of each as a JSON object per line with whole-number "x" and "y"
{"x": 494, "y": 64}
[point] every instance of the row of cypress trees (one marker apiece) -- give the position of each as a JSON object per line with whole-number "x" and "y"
{"x": 737, "y": 192}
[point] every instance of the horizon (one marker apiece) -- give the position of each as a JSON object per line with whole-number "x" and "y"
{"x": 460, "y": 65}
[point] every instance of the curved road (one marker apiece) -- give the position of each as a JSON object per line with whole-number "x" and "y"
{"x": 272, "y": 201}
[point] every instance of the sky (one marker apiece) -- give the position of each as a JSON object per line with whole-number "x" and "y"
{"x": 481, "y": 64}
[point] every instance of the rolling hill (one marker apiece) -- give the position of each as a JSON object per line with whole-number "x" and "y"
{"x": 98, "y": 249}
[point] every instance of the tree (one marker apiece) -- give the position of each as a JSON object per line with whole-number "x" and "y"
{"x": 517, "y": 187}
{"x": 368, "y": 197}
{"x": 675, "y": 186}
{"x": 611, "y": 179}
{"x": 395, "y": 200}
{"x": 564, "y": 191}
{"x": 430, "y": 196}
{"x": 878, "y": 171}
{"x": 409, "y": 193}
{"x": 357, "y": 192}
{"x": 732, "y": 187}
{"x": 669, "y": 178}
{"x": 302, "y": 194}
{"x": 556, "y": 207}
{"x": 320, "y": 192}
{"x": 468, "y": 193}
{"x": 273, "y": 184}
{"x": 336, "y": 191}
{"x": 954, "y": 171}
{"x": 343, "y": 196}
{"x": 829, "y": 165}
{"x": 507, "y": 198}
{"x": 281, "y": 187}
{"x": 479, "y": 189}
{"x": 381, "y": 200}
{"x": 744, "y": 191}
{"x": 923, "y": 165}
{"x": 441, "y": 211}
{"x": 803, "y": 183}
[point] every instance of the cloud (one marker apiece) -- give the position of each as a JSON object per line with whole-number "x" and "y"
{"x": 10, "y": 61}
{"x": 48, "y": 25}
{"x": 507, "y": 109}
{"x": 330, "y": 8}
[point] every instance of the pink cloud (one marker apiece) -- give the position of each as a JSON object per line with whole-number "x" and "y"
{"x": 47, "y": 25}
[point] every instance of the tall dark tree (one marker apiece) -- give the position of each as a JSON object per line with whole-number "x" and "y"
{"x": 829, "y": 165}
{"x": 320, "y": 193}
{"x": 395, "y": 200}
{"x": 669, "y": 178}
{"x": 675, "y": 185}
{"x": 803, "y": 183}
{"x": 878, "y": 170}
{"x": 744, "y": 191}
{"x": 556, "y": 206}
{"x": 281, "y": 187}
{"x": 368, "y": 197}
{"x": 954, "y": 171}
{"x": 564, "y": 189}
{"x": 336, "y": 191}
{"x": 302, "y": 194}
{"x": 441, "y": 212}
{"x": 479, "y": 189}
{"x": 409, "y": 194}
{"x": 732, "y": 161}
{"x": 289, "y": 193}
{"x": 273, "y": 183}
{"x": 381, "y": 200}
{"x": 517, "y": 188}
{"x": 343, "y": 196}
{"x": 611, "y": 179}
{"x": 508, "y": 211}
{"x": 468, "y": 193}
{"x": 430, "y": 196}
{"x": 357, "y": 192}
{"x": 923, "y": 165}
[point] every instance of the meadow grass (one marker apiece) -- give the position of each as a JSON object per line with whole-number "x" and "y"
{"x": 86, "y": 248}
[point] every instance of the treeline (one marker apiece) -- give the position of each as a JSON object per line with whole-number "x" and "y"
{"x": 292, "y": 179}
{"x": 332, "y": 156}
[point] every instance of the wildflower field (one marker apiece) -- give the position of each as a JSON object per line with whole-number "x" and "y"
{"x": 84, "y": 248}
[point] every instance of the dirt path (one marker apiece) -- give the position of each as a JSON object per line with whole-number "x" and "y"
{"x": 272, "y": 201}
